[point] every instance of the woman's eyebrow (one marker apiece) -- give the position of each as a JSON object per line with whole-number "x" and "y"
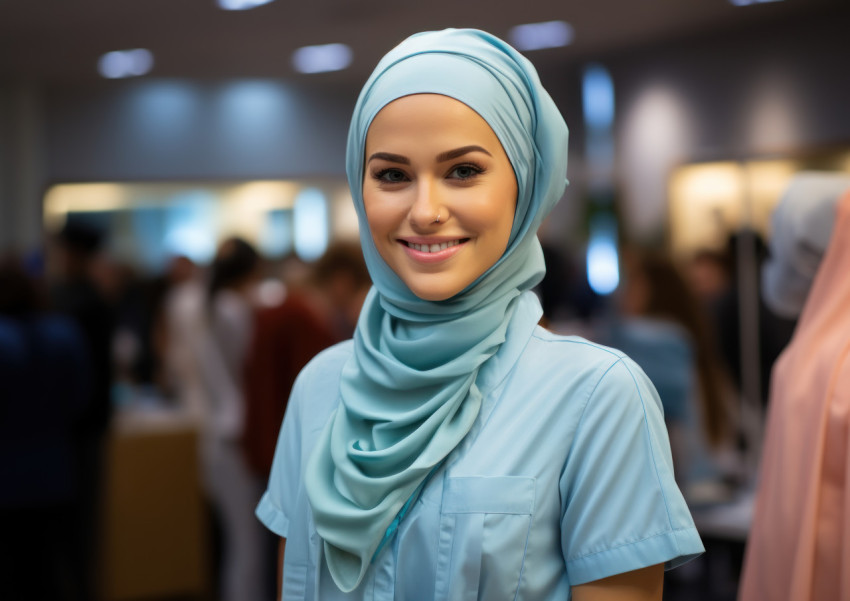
{"x": 388, "y": 156}
{"x": 457, "y": 152}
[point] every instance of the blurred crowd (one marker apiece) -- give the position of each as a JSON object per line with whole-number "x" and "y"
{"x": 83, "y": 337}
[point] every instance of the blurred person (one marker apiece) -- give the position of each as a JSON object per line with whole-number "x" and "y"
{"x": 315, "y": 314}
{"x": 220, "y": 345}
{"x": 294, "y": 271}
{"x": 158, "y": 323}
{"x": 312, "y": 317}
{"x": 453, "y": 448}
{"x": 182, "y": 321}
{"x": 773, "y": 330}
{"x": 341, "y": 278}
{"x": 45, "y": 391}
{"x": 567, "y": 299}
{"x": 133, "y": 360}
{"x": 76, "y": 291}
{"x": 666, "y": 330}
{"x": 799, "y": 544}
{"x": 151, "y": 367}
{"x": 710, "y": 275}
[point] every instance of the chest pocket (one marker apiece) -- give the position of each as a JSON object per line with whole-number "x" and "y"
{"x": 484, "y": 528}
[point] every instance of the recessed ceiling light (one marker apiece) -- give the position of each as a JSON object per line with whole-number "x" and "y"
{"x": 536, "y": 36}
{"x": 241, "y": 4}
{"x": 322, "y": 58}
{"x": 749, "y": 2}
{"x": 125, "y": 63}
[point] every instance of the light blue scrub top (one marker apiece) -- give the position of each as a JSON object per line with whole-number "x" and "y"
{"x": 565, "y": 478}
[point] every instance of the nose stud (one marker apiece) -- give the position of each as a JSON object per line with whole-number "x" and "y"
{"x": 436, "y": 219}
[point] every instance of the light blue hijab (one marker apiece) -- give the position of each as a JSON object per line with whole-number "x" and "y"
{"x": 408, "y": 393}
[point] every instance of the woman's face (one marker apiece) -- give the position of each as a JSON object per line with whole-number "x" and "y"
{"x": 439, "y": 193}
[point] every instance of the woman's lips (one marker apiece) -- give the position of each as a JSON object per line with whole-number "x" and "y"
{"x": 426, "y": 251}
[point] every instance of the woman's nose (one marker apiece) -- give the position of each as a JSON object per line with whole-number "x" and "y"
{"x": 427, "y": 208}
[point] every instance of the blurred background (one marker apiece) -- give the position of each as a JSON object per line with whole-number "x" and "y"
{"x": 177, "y": 240}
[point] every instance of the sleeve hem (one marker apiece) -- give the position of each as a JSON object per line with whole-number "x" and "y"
{"x": 673, "y": 548}
{"x": 272, "y": 517}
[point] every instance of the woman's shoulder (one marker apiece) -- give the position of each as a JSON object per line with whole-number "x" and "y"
{"x": 577, "y": 351}
{"x": 318, "y": 381}
{"x": 328, "y": 363}
{"x": 578, "y": 363}
{"x": 315, "y": 393}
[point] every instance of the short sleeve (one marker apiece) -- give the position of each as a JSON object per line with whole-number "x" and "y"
{"x": 621, "y": 508}
{"x": 278, "y": 502}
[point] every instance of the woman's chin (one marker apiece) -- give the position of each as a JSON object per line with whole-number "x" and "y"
{"x": 433, "y": 289}
{"x": 432, "y": 295}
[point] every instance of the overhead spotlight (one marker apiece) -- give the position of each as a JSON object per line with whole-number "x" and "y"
{"x": 536, "y": 36}
{"x": 240, "y": 4}
{"x": 125, "y": 63}
{"x": 749, "y": 2}
{"x": 322, "y": 58}
{"x": 603, "y": 261}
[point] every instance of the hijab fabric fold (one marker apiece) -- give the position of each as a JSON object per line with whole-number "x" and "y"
{"x": 408, "y": 395}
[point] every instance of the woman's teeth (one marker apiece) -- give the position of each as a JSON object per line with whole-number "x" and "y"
{"x": 432, "y": 248}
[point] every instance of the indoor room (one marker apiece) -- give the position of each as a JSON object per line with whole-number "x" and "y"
{"x": 188, "y": 218}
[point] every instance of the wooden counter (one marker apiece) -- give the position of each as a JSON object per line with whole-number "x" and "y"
{"x": 155, "y": 528}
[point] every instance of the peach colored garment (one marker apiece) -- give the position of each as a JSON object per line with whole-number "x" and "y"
{"x": 799, "y": 545}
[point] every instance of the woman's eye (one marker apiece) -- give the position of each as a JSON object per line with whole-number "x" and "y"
{"x": 391, "y": 176}
{"x": 465, "y": 172}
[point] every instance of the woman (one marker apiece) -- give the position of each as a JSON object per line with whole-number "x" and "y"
{"x": 47, "y": 380}
{"x": 454, "y": 449}
{"x": 220, "y": 344}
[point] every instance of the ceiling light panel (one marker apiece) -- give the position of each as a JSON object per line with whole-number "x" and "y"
{"x": 240, "y": 4}
{"x": 125, "y": 63}
{"x": 322, "y": 58}
{"x": 749, "y": 2}
{"x": 536, "y": 36}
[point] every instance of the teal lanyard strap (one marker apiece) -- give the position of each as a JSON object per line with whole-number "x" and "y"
{"x": 393, "y": 527}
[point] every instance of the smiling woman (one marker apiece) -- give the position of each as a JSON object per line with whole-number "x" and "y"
{"x": 439, "y": 193}
{"x": 455, "y": 449}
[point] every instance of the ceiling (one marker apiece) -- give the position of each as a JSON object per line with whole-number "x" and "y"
{"x": 59, "y": 41}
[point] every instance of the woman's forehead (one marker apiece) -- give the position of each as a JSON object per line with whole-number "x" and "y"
{"x": 427, "y": 110}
